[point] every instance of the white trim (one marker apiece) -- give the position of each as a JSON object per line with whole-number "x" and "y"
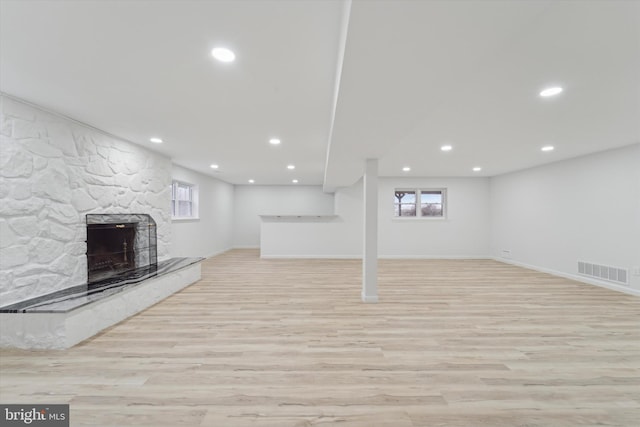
{"x": 435, "y": 257}
{"x": 311, "y": 256}
{"x": 623, "y": 289}
{"x": 577, "y": 278}
{"x": 246, "y": 247}
{"x": 359, "y": 256}
{"x": 372, "y": 299}
{"x": 418, "y": 216}
{"x": 194, "y": 201}
{"x": 220, "y": 252}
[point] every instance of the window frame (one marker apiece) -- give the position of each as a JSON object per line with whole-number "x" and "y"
{"x": 175, "y": 202}
{"x": 418, "y": 204}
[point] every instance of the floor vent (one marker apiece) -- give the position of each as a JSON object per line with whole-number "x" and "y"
{"x": 603, "y": 272}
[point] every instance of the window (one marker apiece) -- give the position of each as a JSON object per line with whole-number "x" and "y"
{"x": 419, "y": 203}
{"x": 405, "y": 203}
{"x": 184, "y": 200}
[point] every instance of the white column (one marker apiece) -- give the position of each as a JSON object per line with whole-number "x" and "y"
{"x": 370, "y": 253}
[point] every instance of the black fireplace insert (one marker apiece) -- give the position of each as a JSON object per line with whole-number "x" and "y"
{"x": 118, "y": 243}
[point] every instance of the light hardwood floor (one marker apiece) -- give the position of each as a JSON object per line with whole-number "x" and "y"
{"x": 288, "y": 343}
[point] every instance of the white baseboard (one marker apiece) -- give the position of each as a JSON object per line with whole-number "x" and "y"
{"x": 434, "y": 257}
{"x": 246, "y": 247}
{"x": 310, "y": 256}
{"x": 330, "y": 256}
{"x": 575, "y": 277}
{"x": 220, "y": 252}
{"x": 369, "y": 298}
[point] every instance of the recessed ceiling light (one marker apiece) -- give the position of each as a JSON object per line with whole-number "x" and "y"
{"x": 551, "y": 91}
{"x": 548, "y": 148}
{"x": 251, "y": 181}
{"x": 156, "y": 140}
{"x": 291, "y": 167}
{"x": 214, "y": 166}
{"x": 295, "y": 181}
{"x": 274, "y": 141}
{"x": 477, "y": 169}
{"x": 446, "y": 148}
{"x": 223, "y": 54}
{"x": 406, "y": 168}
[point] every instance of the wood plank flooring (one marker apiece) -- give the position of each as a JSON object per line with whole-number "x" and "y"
{"x": 288, "y": 343}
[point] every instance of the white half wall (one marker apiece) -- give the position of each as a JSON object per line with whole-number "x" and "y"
{"x": 583, "y": 209}
{"x": 339, "y": 237}
{"x": 252, "y": 201}
{"x": 212, "y": 232}
{"x": 463, "y": 234}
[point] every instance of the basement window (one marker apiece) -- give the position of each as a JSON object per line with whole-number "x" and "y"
{"x": 184, "y": 200}
{"x": 419, "y": 203}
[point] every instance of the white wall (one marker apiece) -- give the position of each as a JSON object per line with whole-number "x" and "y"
{"x": 54, "y": 171}
{"x": 585, "y": 209}
{"x": 212, "y": 233}
{"x": 252, "y": 201}
{"x": 464, "y": 233}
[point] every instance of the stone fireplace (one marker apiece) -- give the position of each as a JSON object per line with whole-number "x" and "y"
{"x": 53, "y": 172}
{"x": 63, "y": 186}
{"x": 119, "y": 243}
{"x": 124, "y": 278}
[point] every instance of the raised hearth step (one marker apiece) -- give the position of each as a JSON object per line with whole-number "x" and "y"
{"x": 71, "y": 298}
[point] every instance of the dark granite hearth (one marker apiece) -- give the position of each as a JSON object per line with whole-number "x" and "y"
{"x": 71, "y": 298}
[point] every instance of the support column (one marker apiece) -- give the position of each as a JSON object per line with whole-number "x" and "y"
{"x": 370, "y": 252}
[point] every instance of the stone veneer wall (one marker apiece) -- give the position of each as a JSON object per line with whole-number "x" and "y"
{"x": 54, "y": 171}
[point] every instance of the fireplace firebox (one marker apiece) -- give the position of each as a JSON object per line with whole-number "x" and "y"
{"x": 118, "y": 243}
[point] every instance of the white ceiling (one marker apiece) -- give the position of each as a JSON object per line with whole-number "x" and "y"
{"x": 403, "y": 79}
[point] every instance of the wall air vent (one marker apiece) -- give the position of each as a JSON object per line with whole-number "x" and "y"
{"x": 604, "y": 272}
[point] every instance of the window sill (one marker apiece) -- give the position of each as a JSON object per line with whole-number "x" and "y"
{"x": 183, "y": 219}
